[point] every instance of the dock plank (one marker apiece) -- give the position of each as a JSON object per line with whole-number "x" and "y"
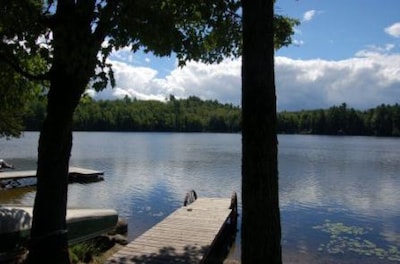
{"x": 16, "y": 175}
{"x": 185, "y": 236}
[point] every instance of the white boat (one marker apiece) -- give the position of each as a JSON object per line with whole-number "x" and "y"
{"x": 82, "y": 224}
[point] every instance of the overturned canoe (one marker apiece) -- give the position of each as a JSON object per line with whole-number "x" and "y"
{"x": 82, "y": 224}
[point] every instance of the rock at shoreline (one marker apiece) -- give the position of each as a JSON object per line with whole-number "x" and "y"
{"x": 103, "y": 243}
{"x": 119, "y": 239}
{"x": 120, "y": 228}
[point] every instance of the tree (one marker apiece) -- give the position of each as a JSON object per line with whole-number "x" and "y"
{"x": 15, "y": 91}
{"x": 77, "y": 36}
{"x": 10, "y": 99}
{"x": 261, "y": 228}
{"x": 74, "y": 39}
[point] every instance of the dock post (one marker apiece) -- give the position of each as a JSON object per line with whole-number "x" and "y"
{"x": 190, "y": 197}
{"x": 234, "y": 207}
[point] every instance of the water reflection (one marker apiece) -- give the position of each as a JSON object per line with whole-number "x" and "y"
{"x": 345, "y": 180}
{"x": 147, "y": 175}
{"x": 23, "y": 195}
{"x": 348, "y": 180}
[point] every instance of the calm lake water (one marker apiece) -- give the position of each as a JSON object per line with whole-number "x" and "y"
{"x": 339, "y": 196}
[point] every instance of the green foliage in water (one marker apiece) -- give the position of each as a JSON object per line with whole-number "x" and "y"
{"x": 345, "y": 238}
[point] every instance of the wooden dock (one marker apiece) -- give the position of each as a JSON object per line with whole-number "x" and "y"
{"x": 75, "y": 175}
{"x": 186, "y": 236}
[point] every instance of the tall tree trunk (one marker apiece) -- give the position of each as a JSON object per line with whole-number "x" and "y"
{"x": 73, "y": 64}
{"x": 49, "y": 234}
{"x": 49, "y": 231}
{"x": 261, "y": 228}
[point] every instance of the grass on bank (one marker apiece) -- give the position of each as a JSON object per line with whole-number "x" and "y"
{"x": 93, "y": 251}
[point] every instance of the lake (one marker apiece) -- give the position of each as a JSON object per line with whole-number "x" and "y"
{"x": 339, "y": 196}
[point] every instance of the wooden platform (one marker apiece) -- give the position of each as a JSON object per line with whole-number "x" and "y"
{"x": 75, "y": 174}
{"x": 185, "y": 236}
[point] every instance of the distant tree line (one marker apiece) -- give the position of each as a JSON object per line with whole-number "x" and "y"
{"x": 178, "y": 115}
{"x": 196, "y": 115}
{"x": 383, "y": 120}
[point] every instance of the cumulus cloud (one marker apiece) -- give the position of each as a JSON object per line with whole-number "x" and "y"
{"x": 221, "y": 82}
{"x": 368, "y": 79}
{"x": 393, "y": 30}
{"x": 307, "y": 16}
{"x": 365, "y": 81}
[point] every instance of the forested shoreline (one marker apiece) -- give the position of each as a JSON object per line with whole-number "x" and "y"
{"x": 196, "y": 115}
{"x": 174, "y": 115}
{"x": 383, "y": 120}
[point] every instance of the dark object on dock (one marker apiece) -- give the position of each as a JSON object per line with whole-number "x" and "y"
{"x": 5, "y": 165}
{"x": 190, "y": 197}
{"x": 192, "y": 234}
{"x": 84, "y": 175}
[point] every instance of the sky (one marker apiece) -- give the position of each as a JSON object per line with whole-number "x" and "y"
{"x": 344, "y": 51}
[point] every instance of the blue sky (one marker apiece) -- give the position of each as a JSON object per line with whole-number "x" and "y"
{"x": 343, "y": 51}
{"x": 338, "y": 29}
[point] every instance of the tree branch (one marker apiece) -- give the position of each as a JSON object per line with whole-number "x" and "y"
{"x": 105, "y": 23}
{"x": 18, "y": 69}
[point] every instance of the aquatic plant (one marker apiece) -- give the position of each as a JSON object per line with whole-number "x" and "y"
{"x": 346, "y": 239}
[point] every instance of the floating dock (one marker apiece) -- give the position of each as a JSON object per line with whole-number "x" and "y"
{"x": 188, "y": 235}
{"x": 75, "y": 175}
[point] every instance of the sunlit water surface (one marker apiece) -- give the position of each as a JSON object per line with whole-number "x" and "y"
{"x": 338, "y": 195}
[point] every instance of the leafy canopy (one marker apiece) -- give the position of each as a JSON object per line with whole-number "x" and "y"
{"x": 200, "y": 30}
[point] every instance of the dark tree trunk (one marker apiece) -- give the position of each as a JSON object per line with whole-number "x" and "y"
{"x": 73, "y": 64}
{"x": 261, "y": 229}
{"x": 49, "y": 234}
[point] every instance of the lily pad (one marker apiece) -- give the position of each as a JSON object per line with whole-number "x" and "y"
{"x": 344, "y": 238}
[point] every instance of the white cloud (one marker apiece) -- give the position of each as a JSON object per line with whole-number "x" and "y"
{"x": 370, "y": 78}
{"x": 221, "y": 82}
{"x": 393, "y": 30}
{"x": 308, "y": 16}
{"x": 131, "y": 81}
{"x": 298, "y": 42}
{"x": 364, "y": 81}
{"x": 373, "y": 50}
